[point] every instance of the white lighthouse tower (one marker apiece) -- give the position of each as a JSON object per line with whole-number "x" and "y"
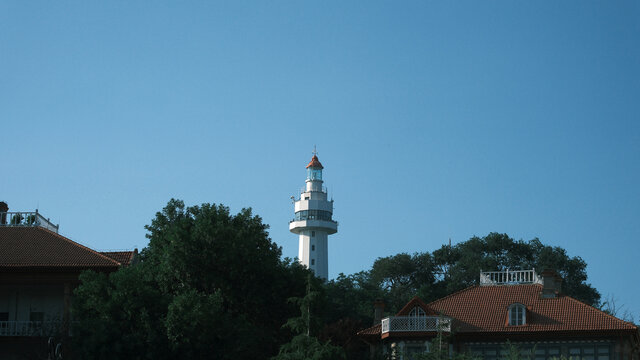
{"x": 313, "y": 222}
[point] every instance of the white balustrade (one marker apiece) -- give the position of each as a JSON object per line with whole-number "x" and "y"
{"x": 415, "y": 323}
{"x": 26, "y": 218}
{"x": 509, "y": 277}
{"x": 29, "y": 328}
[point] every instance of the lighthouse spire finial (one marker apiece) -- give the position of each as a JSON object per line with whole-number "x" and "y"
{"x": 315, "y": 152}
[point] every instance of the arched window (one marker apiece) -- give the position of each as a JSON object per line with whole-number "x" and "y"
{"x": 417, "y": 319}
{"x": 417, "y": 312}
{"x": 517, "y": 314}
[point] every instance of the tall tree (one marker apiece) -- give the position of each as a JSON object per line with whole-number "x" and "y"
{"x": 349, "y": 300}
{"x": 452, "y": 268}
{"x": 496, "y": 252}
{"x": 402, "y": 275}
{"x": 305, "y": 345}
{"x": 209, "y": 282}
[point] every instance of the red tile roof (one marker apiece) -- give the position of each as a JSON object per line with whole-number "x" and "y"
{"x": 36, "y": 247}
{"x": 123, "y": 257}
{"x": 485, "y": 309}
{"x": 375, "y": 330}
{"x": 416, "y": 301}
{"x": 315, "y": 163}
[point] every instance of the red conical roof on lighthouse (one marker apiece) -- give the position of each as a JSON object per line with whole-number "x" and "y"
{"x": 315, "y": 163}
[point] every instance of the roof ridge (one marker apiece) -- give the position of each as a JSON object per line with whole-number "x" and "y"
{"x": 600, "y": 311}
{"x": 416, "y": 300}
{"x": 64, "y": 238}
{"x": 130, "y": 254}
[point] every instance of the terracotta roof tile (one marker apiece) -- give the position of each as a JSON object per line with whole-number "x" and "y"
{"x": 123, "y": 257}
{"x": 315, "y": 163}
{"x": 29, "y": 247}
{"x": 485, "y": 309}
{"x": 375, "y": 330}
{"x": 416, "y": 301}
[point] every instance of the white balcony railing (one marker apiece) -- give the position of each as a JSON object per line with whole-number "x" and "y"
{"x": 26, "y": 218}
{"x": 509, "y": 277}
{"x": 416, "y": 323}
{"x": 30, "y": 328}
{"x": 304, "y": 190}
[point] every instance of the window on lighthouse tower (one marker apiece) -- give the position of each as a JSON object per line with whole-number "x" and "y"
{"x": 314, "y": 173}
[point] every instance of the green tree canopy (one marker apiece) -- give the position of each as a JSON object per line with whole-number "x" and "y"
{"x": 209, "y": 284}
{"x": 213, "y": 285}
{"x": 403, "y": 274}
{"x": 452, "y": 268}
{"x": 305, "y": 345}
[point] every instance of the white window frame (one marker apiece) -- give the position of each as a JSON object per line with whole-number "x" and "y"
{"x": 417, "y": 311}
{"x": 517, "y": 315}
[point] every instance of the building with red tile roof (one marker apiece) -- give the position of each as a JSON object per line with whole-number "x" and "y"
{"x": 39, "y": 269}
{"x": 533, "y": 315}
{"x": 29, "y": 248}
{"x": 125, "y": 258}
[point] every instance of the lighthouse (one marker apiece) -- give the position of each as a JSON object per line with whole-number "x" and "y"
{"x": 313, "y": 221}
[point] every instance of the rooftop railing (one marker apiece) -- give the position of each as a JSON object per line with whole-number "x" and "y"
{"x": 509, "y": 277}
{"x": 416, "y": 323}
{"x": 26, "y": 218}
{"x": 304, "y": 190}
{"x": 30, "y": 328}
{"x": 331, "y": 221}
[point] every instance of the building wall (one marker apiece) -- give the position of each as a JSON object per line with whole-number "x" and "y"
{"x": 619, "y": 348}
{"x": 312, "y": 251}
{"x": 25, "y": 302}
{"x": 603, "y": 349}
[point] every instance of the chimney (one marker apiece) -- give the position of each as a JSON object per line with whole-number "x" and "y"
{"x": 558, "y": 283}
{"x": 378, "y": 311}
{"x": 551, "y": 284}
{"x": 3, "y": 212}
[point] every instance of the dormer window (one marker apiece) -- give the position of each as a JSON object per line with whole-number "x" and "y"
{"x": 517, "y": 315}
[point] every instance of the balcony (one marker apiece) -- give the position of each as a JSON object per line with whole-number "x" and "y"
{"x": 297, "y": 226}
{"x": 30, "y": 328}
{"x": 26, "y": 218}
{"x": 416, "y": 324}
{"x": 507, "y": 277}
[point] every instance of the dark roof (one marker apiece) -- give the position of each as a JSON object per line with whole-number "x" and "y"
{"x": 123, "y": 257}
{"x": 315, "y": 163}
{"x": 36, "y": 247}
{"x": 485, "y": 309}
{"x": 375, "y": 330}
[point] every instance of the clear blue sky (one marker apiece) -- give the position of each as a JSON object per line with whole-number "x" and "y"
{"x": 434, "y": 120}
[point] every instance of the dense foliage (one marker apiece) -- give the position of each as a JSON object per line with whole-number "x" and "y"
{"x": 452, "y": 268}
{"x": 305, "y": 345}
{"x": 213, "y": 285}
{"x": 209, "y": 285}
